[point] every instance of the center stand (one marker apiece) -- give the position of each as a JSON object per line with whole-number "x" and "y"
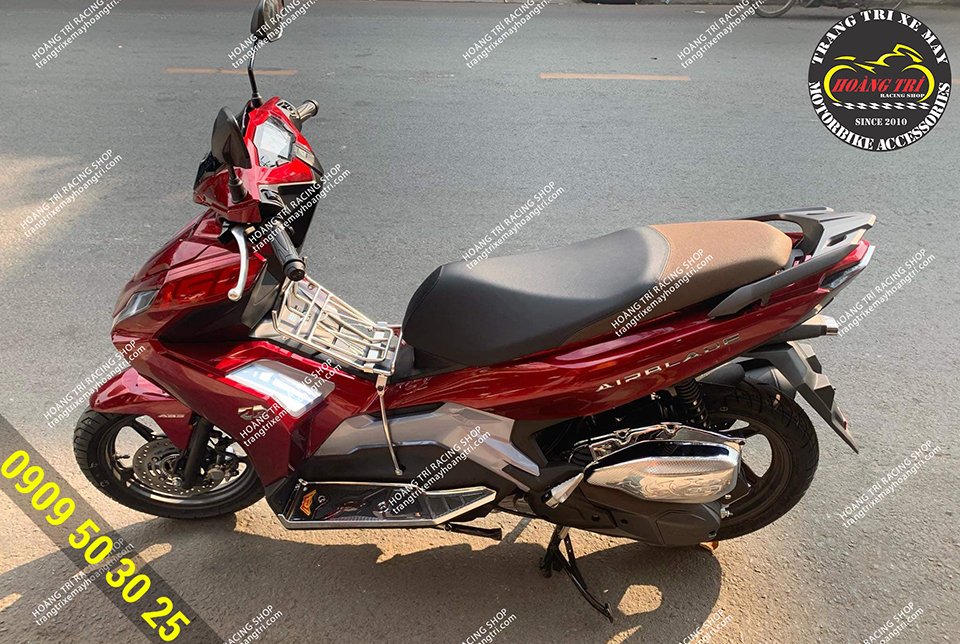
{"x": 553, "y": 559}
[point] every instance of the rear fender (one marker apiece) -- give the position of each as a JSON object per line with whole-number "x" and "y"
{"x": 791, "y": 367}
{"x": 130, "y": 393}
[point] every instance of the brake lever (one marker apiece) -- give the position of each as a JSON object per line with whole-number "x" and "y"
{"x": 237, "y": 291}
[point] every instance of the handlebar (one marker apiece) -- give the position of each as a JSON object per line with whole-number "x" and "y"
{"x": 284, "y": 250}
{"x": 307, "y": 110}
{"x": 286, "y": 253}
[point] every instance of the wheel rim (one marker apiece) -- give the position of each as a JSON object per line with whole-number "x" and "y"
{"x": 150, "y": 454}
{"x": 767, "y": 469}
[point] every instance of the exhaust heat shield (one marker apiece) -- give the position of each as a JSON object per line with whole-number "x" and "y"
{"x": 674, "y": 471}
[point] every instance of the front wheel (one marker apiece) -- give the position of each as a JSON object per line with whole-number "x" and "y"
{"x": 130, "y": 460}
{"x": 779, "y": 457}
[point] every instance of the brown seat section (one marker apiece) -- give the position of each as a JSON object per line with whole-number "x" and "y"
{"x": 510, "y": 306}
{"x": 706, "y": 259}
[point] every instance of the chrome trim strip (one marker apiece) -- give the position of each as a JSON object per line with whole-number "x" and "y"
{"x": 283, "y": 384}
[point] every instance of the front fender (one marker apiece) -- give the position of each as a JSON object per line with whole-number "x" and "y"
{"x": 130, "y": 393}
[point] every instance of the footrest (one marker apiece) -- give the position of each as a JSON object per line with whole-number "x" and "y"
{"x": 334, "y": 504}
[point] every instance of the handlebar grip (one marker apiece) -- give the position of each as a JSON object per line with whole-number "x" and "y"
{"x": 286, "y": 253}
{"x": 308, "y": 110}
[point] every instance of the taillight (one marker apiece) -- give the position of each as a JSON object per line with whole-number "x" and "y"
{"x": 839, "y": 278}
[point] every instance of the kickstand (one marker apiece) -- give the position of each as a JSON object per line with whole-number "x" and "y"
{"x": 553, "y": 559}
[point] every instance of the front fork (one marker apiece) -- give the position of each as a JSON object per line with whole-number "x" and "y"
{"x": 129, "y": 393}
{"x": 191, "y": 460}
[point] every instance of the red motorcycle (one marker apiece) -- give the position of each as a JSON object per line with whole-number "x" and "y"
{"x": 639, "y": 385}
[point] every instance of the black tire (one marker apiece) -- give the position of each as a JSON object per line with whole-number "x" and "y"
{"x": 774, "y": 8}
{"x": 794, "y": 452}
{"x": 94, "y": 448}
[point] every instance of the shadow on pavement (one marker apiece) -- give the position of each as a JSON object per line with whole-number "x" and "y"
{"x": 336, "y": 593}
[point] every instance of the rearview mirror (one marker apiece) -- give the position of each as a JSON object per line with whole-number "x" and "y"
{"x": 267, "y": 20}
{"x": 226, "y": 143}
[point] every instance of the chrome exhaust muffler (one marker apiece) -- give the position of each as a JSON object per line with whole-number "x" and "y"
{"x": 672, "y": 471}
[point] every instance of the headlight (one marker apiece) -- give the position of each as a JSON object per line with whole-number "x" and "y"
{"x": 138, "y": 303}
{"x": 274, "y": 143}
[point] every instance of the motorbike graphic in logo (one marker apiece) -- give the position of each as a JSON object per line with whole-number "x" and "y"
{"x": 879, "y": 80}
{"x": 901, "y": 85}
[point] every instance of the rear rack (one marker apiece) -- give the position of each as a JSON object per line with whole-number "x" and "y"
{"x": 828, "y": 237}
{"x": 315, "y": 317}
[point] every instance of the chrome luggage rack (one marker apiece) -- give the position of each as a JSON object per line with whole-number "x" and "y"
{"x": 315, "y": 317}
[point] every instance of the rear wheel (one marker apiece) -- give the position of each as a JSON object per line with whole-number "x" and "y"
{"x": 779, "y": 457}
{"x": 129, "y": 459}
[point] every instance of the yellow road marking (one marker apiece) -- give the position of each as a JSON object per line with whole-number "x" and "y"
{"x": 8, "y": 601}
{"x": 646, "y": 77}
{"x": 216, "y": 70}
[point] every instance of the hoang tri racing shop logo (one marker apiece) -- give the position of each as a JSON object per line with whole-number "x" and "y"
{"x": 879, "y": 80}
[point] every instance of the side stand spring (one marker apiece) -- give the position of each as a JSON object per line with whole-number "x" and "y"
{"x": 553, "y": 559}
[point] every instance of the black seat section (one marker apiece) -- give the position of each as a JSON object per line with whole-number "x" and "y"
{"x": 510, "y": 306}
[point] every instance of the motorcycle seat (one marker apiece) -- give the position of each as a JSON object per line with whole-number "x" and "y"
{"x": 505, "y": 307}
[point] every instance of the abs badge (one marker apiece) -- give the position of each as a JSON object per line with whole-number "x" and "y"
{"x": 879, "y": 79}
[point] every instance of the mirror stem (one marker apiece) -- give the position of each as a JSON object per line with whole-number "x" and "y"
{"x": 256, "y": 100}
{"x": 237, "y": 192}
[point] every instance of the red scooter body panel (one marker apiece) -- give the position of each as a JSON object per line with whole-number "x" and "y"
{"x": 192, "y": 270}
{"x": 213, "y": 191}
{"x": 571, "y": 381}
{"x": 171, "y": 380}
{"x": 195, "y": 377}
{"x": 608, "y": 372}
{"x": 128, "y": 392}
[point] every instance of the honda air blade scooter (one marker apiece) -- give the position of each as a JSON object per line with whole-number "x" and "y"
{"x": 641, "y": 385}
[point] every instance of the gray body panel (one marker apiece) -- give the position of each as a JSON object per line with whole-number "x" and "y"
{"x": 446, "y": 426}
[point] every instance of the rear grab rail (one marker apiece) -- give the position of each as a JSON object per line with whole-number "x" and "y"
{"x": 828, "y": 237}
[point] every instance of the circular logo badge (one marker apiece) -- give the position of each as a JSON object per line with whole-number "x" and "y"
{"x": 879, "y": 79}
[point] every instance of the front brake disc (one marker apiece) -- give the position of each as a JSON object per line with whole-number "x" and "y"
{"x": 154, "y": 465}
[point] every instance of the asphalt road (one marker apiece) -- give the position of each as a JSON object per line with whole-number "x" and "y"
{"x": 437, "y": 153}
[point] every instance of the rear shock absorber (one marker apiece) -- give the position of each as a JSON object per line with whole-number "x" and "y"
{"x": 690, "y": 402}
